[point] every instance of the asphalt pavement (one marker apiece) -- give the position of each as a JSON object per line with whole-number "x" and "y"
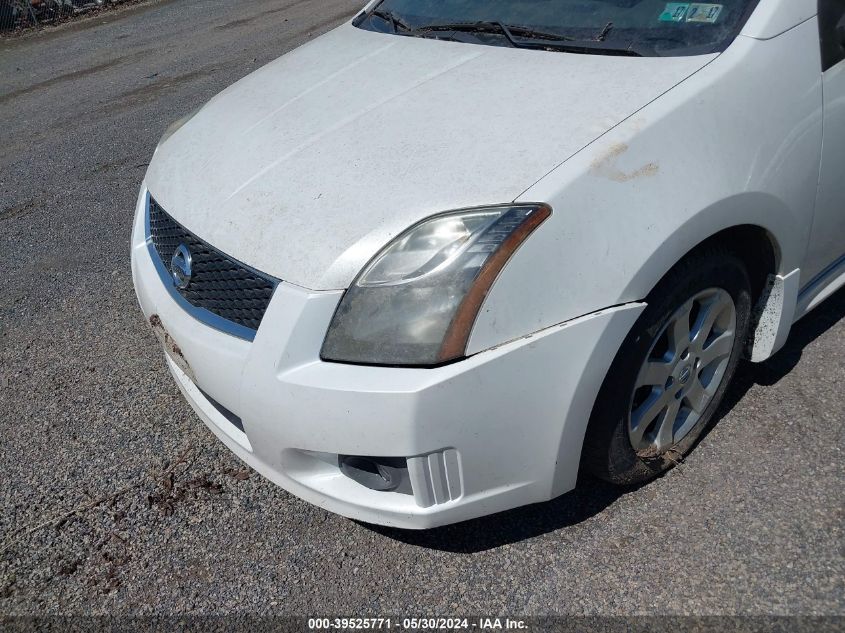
{"x": 114, "y": 498}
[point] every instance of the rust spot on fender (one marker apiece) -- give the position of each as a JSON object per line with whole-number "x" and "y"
{"x": 604, "y": 165}
{"x": 609, "y": 155}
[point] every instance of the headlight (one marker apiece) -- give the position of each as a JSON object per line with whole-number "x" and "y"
{"x": 415, "y": 303}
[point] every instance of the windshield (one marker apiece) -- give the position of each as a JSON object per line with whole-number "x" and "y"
{"x": 634, "y": 27}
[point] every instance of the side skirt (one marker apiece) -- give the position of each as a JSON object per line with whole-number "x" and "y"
{"x": 821, "y": 287}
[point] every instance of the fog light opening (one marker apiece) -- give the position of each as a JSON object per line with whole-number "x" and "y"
{"x": 380, "y": 474}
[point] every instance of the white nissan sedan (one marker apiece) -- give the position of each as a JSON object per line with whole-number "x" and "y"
{"x": 434, "y": 263}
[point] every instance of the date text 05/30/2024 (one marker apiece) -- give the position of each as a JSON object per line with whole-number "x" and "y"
{"x": 416, "y": 624}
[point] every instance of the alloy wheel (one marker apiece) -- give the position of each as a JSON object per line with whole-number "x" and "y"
{"x": 685, "y": 365}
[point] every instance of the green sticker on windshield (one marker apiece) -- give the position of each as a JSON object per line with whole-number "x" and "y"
{"x": 674, "y": 12}
{"x": 707, "y": 13}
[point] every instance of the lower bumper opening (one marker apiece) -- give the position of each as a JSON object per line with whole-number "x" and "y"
{"x": 432, "y": 479}
{"x": 383, "y": 474}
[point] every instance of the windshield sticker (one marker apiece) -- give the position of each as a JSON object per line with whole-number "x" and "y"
{"x": 707, "y": 13}
{"x": 674, "y": 12}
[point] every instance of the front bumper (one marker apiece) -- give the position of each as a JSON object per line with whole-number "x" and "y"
{"x": 498, "y": 430}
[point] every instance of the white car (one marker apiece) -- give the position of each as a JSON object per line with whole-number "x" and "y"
{"x": 433, "y": 263}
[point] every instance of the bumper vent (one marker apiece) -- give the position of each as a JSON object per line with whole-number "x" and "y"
{"x": 432, "y": 479}
{"x": 435, "y": 478}
{"x": 218, "y": 285}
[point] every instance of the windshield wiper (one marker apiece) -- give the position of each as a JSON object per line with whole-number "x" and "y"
{"x": 533, "y": 38}
{"x": 594, "y": 47}
{"x": 396, "y": 23}
{"x": 601, "y": 37}
{"x": 517, "y": 36}
{"x": 510, "y": 32}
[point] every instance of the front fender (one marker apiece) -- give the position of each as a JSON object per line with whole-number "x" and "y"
{"x": 734, "y": 144}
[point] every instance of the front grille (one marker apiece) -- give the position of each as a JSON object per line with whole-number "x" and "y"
{"x": 218, "y": 283}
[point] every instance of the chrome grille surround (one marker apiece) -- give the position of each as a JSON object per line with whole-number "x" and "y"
{"x": 222, "y": 293}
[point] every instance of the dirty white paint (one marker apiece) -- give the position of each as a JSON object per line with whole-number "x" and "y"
{"x": 307, "y": 167}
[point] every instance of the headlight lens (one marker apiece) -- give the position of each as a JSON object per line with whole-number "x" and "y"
{"x": 416, "y": 302}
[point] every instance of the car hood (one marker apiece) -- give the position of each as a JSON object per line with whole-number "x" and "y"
{"x": 307, "y": 167}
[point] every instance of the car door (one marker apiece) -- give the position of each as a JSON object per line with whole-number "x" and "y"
{"x": 827, "y": 245}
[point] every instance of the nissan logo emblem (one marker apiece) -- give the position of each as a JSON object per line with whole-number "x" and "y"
{"x": 180, "y": 266}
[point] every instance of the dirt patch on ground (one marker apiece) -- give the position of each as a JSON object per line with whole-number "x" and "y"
{"x": 24, "y": 208}
{"x": 77, "y": 74}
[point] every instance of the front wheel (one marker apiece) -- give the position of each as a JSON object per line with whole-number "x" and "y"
{"x": 672, "y": 371}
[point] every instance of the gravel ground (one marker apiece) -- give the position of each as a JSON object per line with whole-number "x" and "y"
{"x": 751, "y": 523}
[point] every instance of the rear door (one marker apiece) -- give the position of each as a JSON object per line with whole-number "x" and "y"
{"x": 827, "y": 244}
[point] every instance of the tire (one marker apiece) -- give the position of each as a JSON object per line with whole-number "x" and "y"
{"x": 623, "y": 444}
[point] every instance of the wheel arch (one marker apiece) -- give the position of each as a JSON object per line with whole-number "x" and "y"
{"x": 756, "y": 242}
{"x": 764, "y": 238}
{"x": 755, "y": 245}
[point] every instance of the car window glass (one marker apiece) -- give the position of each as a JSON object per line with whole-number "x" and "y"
{"x": 832, "y": 32}
{"x": 655, "y": 26}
